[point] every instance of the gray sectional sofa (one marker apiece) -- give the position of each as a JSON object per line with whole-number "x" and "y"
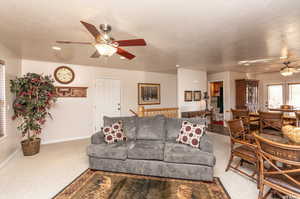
{"x": 151, "y": 149}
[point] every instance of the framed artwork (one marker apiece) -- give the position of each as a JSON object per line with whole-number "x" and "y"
{"x": 188, "y": 96}
{"x": 148, "y": 94}
{"x": 197, "y": 95}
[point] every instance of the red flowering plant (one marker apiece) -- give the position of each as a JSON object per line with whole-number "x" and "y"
{"x": 34, "y": 96}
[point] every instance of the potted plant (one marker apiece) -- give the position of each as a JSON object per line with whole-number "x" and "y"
{"x": 34, "y": 96}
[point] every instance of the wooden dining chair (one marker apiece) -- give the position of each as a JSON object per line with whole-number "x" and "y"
{"x": 282, "y": 176}
{"x": 241, "y": 114}
{"x": 287, "y": 107}
{"x": 297, "y": 113}
{"x": 272, "y": 121}
{"x": 250, "y": 123}
{"x": 242, "y": 146}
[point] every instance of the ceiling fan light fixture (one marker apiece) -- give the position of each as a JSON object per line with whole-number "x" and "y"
{"x": 286, "y": 71}
{"x": 105, "y": 49}
{"x": 56, "y": 48}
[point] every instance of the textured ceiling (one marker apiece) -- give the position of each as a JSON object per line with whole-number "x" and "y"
{"x": 211, "y": 35}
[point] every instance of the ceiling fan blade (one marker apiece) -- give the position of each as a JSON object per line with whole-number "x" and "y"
{"x": 73, "y": 42}
{"x": 125, "y": 54}
{"x": 95, "y": 55}
{"x": 92, "y": 29}
{"x": 132, "y": 42}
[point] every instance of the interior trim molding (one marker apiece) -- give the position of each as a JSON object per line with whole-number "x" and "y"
{"x": 65, "y": 140}
{"x": 11, "y": 156}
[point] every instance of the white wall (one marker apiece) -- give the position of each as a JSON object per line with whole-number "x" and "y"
{"x": 10, "y": 143}
{"x": 190, "y": 80}
{"x": 73, "y": 117}
{"x": 228, "y": 79}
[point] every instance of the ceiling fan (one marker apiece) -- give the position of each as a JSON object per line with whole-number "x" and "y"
{"x": 287, "y": 58}
{"x": 285, "y": 55}
{"x": 105, "y": 44}
{"x": 288, "y": 70}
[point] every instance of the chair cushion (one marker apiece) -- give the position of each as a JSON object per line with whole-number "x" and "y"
{"x": 146, "y": 150}
{"x": 173, "y": 126}
{"x": 180, "y": 153}
{"x": 108, "y": 151}
{"x": 282, "y": 181}
{"x": 129, "y": 125}
{"x": 245, "y": 152}
{"x": 151, "y": 128}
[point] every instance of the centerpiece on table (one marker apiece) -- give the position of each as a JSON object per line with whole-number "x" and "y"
{"x": 34, "y": 96}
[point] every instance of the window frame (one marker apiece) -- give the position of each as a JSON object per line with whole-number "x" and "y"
{"x": 3, "y": 103}
{"x": 288, "y": 90}
{"x": 283, "y": 93}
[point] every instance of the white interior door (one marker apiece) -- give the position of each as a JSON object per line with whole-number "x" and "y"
{"x": 108, "y": 100}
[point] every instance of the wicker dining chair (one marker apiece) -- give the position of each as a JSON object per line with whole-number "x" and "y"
{"x": 282, "y": 175}
{"x": 273, "y": 121}
{"x": 242, "y": 146}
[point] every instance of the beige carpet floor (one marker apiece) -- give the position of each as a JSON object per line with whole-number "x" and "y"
{"x": 44, "y": 175}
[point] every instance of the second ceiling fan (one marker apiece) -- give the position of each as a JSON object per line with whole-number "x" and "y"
{"x": 105, "y": 44}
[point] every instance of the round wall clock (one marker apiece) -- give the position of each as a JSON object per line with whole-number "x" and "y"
{"x": 64, "y": 75}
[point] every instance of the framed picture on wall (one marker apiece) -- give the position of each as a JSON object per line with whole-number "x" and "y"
{"x": 197, "y": 95}
{"x": 188, "y": 96}
{"x": 148, "y": 93}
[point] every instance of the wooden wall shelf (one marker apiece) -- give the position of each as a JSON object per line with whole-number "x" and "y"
{"x": 67, "y": 91}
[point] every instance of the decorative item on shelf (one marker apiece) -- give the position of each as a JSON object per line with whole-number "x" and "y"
{"x": 197, "y": 95}
{"x": 206, "y": 97}
{"x": 188, "y": 96}
{"x": 148, "y": 93}
{"x": 34, "y": 96}
{"x": 64, "y": 75}
{"x": 63, "y": 91}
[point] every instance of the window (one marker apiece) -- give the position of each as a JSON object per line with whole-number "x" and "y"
{"x": 275, "y": 96}
{"x": 2, "y": 100}
{"x": 294, "y": 95}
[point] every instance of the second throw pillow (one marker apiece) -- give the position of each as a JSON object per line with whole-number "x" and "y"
{"x": 190, "y": 134}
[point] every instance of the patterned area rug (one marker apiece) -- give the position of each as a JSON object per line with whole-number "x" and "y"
{"x": 107, "y": 185}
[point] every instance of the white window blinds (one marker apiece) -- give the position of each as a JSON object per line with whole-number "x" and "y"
{"x": 2, "y": 99}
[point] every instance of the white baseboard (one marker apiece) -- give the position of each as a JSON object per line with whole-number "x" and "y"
{"x": 65, "y": 140}
{"x": 4, "y": 162}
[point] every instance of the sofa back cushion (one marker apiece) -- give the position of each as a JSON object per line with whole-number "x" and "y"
{"x": 129, "y": 125}
{"x": 173, "y": 125}
{"x": 151, "y": 128}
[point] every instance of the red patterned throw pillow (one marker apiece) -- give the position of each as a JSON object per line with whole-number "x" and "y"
{"x": 190, "y": 134}
{"x": 114, "y": 133}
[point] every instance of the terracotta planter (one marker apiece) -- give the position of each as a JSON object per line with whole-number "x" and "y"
{"x": 31, "y": 147}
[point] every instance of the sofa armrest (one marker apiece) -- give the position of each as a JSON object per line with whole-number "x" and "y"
{"x": 97, "y": 138}
{"x": 206, "y": 144}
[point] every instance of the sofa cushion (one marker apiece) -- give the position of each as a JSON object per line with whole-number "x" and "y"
{"x": 146, "y": 150}
{"x": 151, "y": 128}
{"x": 173, "y": 125}
{"x": 108, "y": 151}
{"x": 180, "y": 153}
{"x": 129, "y": 124}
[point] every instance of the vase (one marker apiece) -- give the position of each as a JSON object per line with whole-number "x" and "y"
{"x": 31, "y": 147}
